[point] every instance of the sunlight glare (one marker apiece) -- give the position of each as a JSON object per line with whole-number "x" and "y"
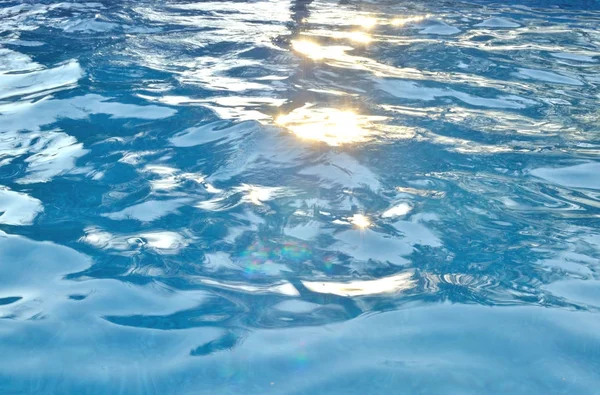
{"x": 360, "y": 37}
{"x": 309, "y": 48}
{"x": 360, "y": 221}
{"x": 331, "y": 126}
{"x": 366, "y": 22}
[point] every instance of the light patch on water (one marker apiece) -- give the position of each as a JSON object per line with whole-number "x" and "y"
{"x": 256, "y": 194}
{"x": 60, "y": 77}
{"x": 30, "y": 115}
{"x": 388, "y": 285}
{"x": 360, "y": 221}
{"x": 163, "y": 241}
{"x": 354, "y": 36}
{"x": 281, "y": 288}
{"x": 421, "y": 192}
{"x": 366, "y": 22}
{"x": 470, "y": 147}
{"x": 213, "y": 73}
{"x": 242, "y": 108}
{"x": 397, "y": 211}
{"x": 18, "y": 208}
{"x": 50, "y": 154}
{"x": 136, "y": 157}
{"x": 147, "y": 211}
{"x": 401, "y": 21}
{"x": 253, "y": 194}
{"x": 101, "y": 239}
{"x": 316, "y": 51}
{"x": 13, "y": 62}
{"x": 88, "y": 26}
{"x": 329, "y": 125}
{"x": 170, "y": 178}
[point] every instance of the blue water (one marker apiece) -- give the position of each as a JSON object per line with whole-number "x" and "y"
{"x": 306, "y": 197}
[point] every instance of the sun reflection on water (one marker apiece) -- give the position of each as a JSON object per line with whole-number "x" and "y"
{"x": 366, "y": 22}
{"x": 360, "y": 221}
{"x": 359, "y": 37}
{"x": 318, "y": 52}
{"x": 329, "y": 125}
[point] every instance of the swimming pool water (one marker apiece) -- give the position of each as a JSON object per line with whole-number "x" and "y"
{"x": 275, "y": 197}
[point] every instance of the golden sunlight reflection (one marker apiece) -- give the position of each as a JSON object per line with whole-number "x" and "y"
{"x": 360, "y": 37}
{"x": 255, "y": 196}
{"x": 318, "y": 52}
{"x": 360, "y": 221}
{"x": 329, "y": 125}
{"x": 366, "y": 22}
{"x": 309, "y": 48}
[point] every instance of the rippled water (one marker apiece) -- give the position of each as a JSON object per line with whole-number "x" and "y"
{"x": 306, "y": 197}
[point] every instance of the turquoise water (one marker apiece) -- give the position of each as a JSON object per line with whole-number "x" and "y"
{"x": 275, "y": 197}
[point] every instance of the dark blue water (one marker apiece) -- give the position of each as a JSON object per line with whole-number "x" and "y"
{"x": 275, "y": 197}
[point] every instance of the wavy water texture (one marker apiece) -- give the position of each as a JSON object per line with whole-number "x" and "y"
{"x": 305, "y": 196}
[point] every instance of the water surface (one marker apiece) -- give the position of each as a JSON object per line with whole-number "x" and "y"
{"x": 227, "y": 197}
